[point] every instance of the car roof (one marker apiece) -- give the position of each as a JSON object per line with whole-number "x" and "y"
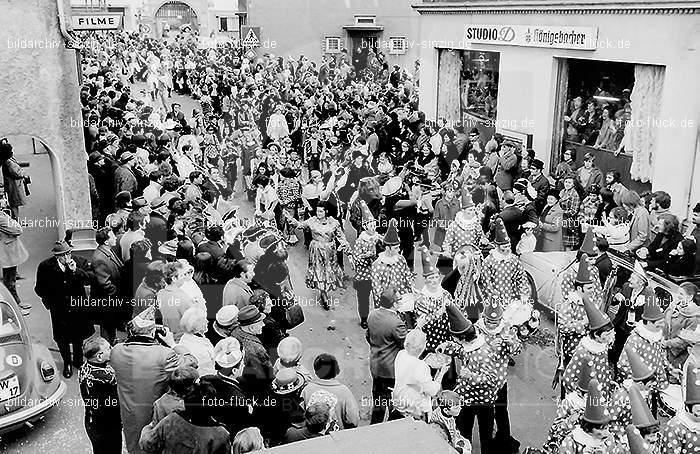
{"x": 662, "y": 280}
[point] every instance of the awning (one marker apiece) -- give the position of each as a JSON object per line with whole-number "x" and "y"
{"x": 363, "y": 28}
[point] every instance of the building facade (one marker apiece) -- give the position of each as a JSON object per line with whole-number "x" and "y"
{"x": 325, "y": 27}
{"x": 517, "y": 67}
{"x": 41, "y": 99}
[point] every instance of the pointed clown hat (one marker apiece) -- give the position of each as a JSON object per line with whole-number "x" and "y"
{"x": 692, "y": 384}
{"x": 467, "y": 201}
{"x": 639, "y": 271}
{"x": 636, "y": 442}
{"x": 641, "y": 414}
{"x": 596, "y": 318}
{"x": 391, "y": 237}
{"x": 596, "y": 408}
{"x": 501, "y": 234}
{"x": 493, "y": 311}
{"x": 457, "y": 321}
{"x": 652, "y": 310}
{"x": 584, "y": 274}
{"x": 640, "y": 370}
{"x": 584, "y": 376}
{"x": 367, "y": 216}
{"x": 588, "y": 246}
{"x": 429, "y": 262}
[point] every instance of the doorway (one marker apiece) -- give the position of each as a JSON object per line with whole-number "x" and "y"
{"x": 361, "y": 45}
{"x": 175, "y": 15}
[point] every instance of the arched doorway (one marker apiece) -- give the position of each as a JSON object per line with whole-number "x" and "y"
{"x": 174, "y": 15}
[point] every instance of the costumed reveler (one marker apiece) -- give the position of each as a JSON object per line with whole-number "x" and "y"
{"x": 390, "y": 268}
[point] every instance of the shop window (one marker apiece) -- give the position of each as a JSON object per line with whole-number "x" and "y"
{"x": 597, "y": 102}
{"x": 397, "y": 45}
{"x": 332, "y": 45}
{"x": 473, "y": 75}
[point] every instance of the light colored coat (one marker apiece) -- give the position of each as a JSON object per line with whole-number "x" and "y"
{"x": 12, "y": 251}
{"x": 142, "y": 367}
{"x": 201, "y": 348}
{"x": 173, "y": 302}
{"x": 550, "y": 236}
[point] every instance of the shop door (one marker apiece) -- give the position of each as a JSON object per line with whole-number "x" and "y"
{"x": 174, "y": 15}
{"x": 361, "y": 45}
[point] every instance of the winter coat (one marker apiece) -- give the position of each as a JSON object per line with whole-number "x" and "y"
{"x": 12, "y": 251}
{"x": 550, "y": 236}
{"x": 13, "y": 177}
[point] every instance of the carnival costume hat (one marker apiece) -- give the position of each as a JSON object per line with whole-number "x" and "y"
{"x": 429, "y": 262}
{"x": 289, "y": 349}
{"x": 366, "y": 213}
{"x": 584, "y": 377}
{"x": 640, "y": 370}
{"x": 459, "y": 324}
{"x": 636, "y": 442}
{"x": 227, "y": 315}
{"x": 584, "y": 275}
{"x": 391, "y": 237}
{"x": 596, "y": 409}
{"x": 229, "y": 357}
{"x": 596, "y": 318}
{"x": 652, "y": 310}
{"x": 639, "y": 271}
{"x": 692, "y": 336}
{"x": 588, "y": 245}
{"x": 501, "y": 234}
{"x": 392, "y": 186}
{"x": 467, "y": 201}
{"x": 692, "y": 384}
{"x": 145, "y": 321}
{"x": 641, "y": 414}
{"x": 493, "y": 311}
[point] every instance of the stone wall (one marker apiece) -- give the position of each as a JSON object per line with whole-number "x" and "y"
{"x": 40, "y": 97}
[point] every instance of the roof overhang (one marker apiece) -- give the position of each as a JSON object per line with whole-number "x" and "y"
{"x": 363, "y": 28}
{"x": 558, "y": 7}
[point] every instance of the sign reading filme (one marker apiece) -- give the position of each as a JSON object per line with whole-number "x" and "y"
{"x": 96, "y": 21}
{"x": 558, "y": 37}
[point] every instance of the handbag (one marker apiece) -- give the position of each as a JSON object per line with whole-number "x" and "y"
{"x": 294, "y": 315}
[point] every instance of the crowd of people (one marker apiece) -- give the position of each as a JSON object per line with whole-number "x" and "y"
{"x": 205, "y": 299}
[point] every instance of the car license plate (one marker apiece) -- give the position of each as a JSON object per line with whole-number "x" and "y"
{"x": 9, "y": 388}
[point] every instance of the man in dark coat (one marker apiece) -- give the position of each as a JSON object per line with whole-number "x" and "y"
{"x": 386, "y": 332}
{"x": 105, "y": 291}
{"x": 540, "y": 183}
{"x": 695, "y": 234}
{"x": 60, "y": 283}
{"x": 602, "y": 261}
{"x": 124, "y": 177}
{"x": 631, "y": 298}
{"x": 214, "y": 245}
{"x": 512, "y": 218}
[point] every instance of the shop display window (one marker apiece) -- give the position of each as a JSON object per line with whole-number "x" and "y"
{"x": 597, "y": 103}
{"x": 478, "y": 85}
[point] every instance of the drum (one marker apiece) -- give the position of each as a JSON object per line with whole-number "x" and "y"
{"x": 392, "y": 186}
{"x": 670, "y": 401}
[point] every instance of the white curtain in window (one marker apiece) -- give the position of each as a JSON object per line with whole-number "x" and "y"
{"x": 449, "y": 69}
{"x": 646, "y": 106}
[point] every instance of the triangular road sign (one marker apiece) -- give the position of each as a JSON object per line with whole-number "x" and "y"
{"x": 251, "y": 39}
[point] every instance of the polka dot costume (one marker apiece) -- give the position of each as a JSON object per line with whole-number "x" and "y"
{"x": 680, "y": 436}
{"x": 569, "y": 276}
{"x": 478, "y": 380}
{"x": 504, "y": 347}
{"x": 432, "y": 306}
{"x": 579, "y": 442}
{"x": 390, "y": 272}
{"x": 568, "y": 414}
{"x": 596, "y": 355}
{"x": 504, "y": 278}
{"x": 649, "y": 347}
{"x": 571, "y": 323}
{"x": 460, "y": 233}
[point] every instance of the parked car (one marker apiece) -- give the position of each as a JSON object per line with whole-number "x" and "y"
{"x": 547, "y": 268}
{"x": 29, "y": 385}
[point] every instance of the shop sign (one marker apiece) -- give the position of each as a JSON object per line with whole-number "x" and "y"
{"x": 557, "y": 37}
{"x": 96, "y": 21}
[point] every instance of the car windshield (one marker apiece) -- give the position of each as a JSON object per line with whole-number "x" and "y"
{"x": 9, "y": 322}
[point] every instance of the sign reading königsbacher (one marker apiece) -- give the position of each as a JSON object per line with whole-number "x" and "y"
{"x": 96, "y": 21}
{"x": 558, "y": 37}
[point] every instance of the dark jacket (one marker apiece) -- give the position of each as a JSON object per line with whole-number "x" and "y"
{"x": 125, "y": 180}
{"x": 604, "y": 265}
{"x": 63, "y": 293}
{"x": 659, "y": 250}
{"x": 386, "y": 333}
{"x": 106, "y": 289}
{"x": 213, "y": 248}
{"x": 512, "y": 217}
{"x": 231, "y": 407}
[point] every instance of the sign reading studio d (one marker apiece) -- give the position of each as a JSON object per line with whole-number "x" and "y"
{"x": 558, "y": 37}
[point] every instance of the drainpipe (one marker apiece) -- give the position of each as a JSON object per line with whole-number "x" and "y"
{"x": 69, "y": 39}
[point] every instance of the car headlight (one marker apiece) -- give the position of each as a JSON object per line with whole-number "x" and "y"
{"x": 47, "y": 371}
